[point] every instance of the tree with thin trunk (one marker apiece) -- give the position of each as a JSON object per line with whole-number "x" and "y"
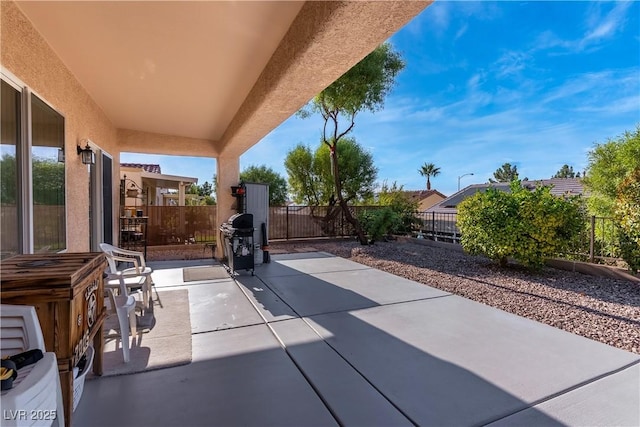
{"x": 429, "y": 170}
{"x": 363, "y": 87}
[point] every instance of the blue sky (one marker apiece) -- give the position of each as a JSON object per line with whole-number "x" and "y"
{"x": 535, "y": 84}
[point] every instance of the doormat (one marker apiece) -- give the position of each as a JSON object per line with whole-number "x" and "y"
{"x": 163, "y": 339}
{"x": 194, "y": 274}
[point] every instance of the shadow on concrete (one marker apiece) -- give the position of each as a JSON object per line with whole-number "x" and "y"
{"x": 352, "y": 361}
{"x": 426, "y": 389}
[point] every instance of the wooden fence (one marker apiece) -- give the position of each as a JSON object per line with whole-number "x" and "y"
{"x": 168, "y": 225}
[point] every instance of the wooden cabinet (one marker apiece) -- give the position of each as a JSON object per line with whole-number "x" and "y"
{"x": 67, "y": 291}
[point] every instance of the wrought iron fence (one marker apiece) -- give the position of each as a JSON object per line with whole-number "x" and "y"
{"x": 300, "y": 222}
{"x": 441, "y": 227}
{"x": 598, "y": 243}
{"x": 197, "y": 224}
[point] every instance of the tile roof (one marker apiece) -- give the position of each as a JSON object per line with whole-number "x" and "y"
{"x": 423, "y": 194}
{"x": 559, "y": 186}
{"x": 145, "y": 167}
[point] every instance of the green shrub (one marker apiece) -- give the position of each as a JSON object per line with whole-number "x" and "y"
{"x": 402, "y": 204}
{"x": 627, "y": 215}
{"x": 630, "y": 251}
{"x": 529, "y": 226}
{"x": 379, "y": 223}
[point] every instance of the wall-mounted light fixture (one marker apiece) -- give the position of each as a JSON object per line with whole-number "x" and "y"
{"x": 87, "y": 155}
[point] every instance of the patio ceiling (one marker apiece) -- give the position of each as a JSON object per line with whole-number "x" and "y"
{"x": 166, "y": 181}
{"x": 224, "y": 73}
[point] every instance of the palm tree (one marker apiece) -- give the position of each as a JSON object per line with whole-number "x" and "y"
{"x": 429, "y": 170}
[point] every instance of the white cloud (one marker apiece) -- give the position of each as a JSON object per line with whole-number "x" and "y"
{"x": 599, "y": 88}
{"x": 628, "y": 104}
{"x": 461, "y": 31}
{"x": 475, "y": 122}
{"x": 439, "y": 16}
{"x": 511, "y": 63}
{"x": 601, "y": 26}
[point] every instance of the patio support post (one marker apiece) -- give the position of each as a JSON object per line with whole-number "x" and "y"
{"x": 181, "y": 196}
{"x": 228, "y": 174}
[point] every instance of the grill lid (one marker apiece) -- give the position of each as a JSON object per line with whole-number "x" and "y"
{"x": 241, "y": 221}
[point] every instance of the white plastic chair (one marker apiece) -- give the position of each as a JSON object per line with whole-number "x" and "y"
{"x": 123, "y": 306}
{"x": 139, "y": 269}
{"x": 37, "y": 387}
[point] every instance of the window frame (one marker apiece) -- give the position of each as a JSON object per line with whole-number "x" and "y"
{"x": 24, "y": 163}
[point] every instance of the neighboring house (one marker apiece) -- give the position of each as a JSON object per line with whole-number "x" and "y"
{"x": 153, "y": 187}
{"x": 425, "y": 198}
{"x": 559, "y": 187}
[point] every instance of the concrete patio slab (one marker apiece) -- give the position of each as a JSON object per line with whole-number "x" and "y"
{"x": 265, "y": 300}
{"x": 610, "y": 401}
{"x": 314, "y": 262}
{"x": 169, "y": 273}
{"x": 167, "y": 277}
{"x": 380, "y": 286}
{"x": 309, "y": 295}
{"x": 346, "y": 290}
{"x": 219, "y": 305}
{"x": 238, "y": 377}
{"x": 374, "y": 349}
{"x": 452, "y": 361}
{"x": 301, "y": 255}
{"x": 353, "y": 401}
{"x": 163, "y": 265}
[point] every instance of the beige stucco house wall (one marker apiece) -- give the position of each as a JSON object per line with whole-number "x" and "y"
{"x": 425, "y": 198}
{"x": 27, "y": 56}
{"x": 430, "y": 200}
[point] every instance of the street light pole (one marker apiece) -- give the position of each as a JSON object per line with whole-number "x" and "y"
{"x": 462, "y": 176}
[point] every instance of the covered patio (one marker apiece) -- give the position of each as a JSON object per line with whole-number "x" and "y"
{"x": 311, "y": 339}
{"x": 201, "y": 79}
{"x": 314, "y": 339}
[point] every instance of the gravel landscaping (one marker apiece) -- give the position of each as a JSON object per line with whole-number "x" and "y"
{"x": 602, "y": 309}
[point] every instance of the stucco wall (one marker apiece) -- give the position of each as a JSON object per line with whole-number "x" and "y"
{"x": 26, "y": 55}
{"x": 429, "y": 201}
{"x": 153, "y": 143}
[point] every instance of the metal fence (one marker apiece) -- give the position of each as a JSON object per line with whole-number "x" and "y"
{"x": 300, "y": 222}
{"x": 169, "y": 225}
{"x": 197, "y": 224}
{"x": 599, "y": 242}
{"x": 442, "y": 227}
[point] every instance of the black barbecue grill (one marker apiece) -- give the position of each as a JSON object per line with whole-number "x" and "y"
{"x": 238, "y": 224}
{"x": 238, "y": 242}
